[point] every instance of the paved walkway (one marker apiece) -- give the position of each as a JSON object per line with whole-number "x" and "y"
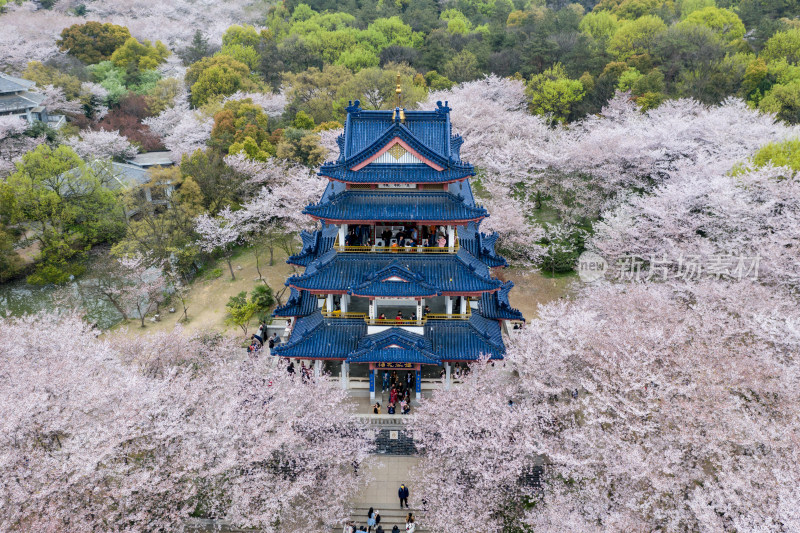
{"x": 389, "y": 472}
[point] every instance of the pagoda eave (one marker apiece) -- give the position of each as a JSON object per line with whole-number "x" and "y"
{"x": 457, "y": 222}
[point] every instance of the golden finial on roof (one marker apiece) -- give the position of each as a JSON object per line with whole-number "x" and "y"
{"x": 398, "y": 92}
{"x": 398, "y": 97}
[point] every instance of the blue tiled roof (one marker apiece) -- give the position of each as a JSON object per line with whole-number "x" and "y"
{"x": 428, "y": 133}
{"x": 450, "y": 273}
{"x": 315, "y": 244}
{"x": 496, "y": 304}
{"x": 431, "y": 150}
{"x": 412, "y": 285}
{"x": 396, "y": 173}
{"x": 394, "y": 345}
{"x": 300, "y": 303}
{"x": 422, "y": 206}
{"x": 363, "y": 127}
{"x": 315, "y": 337}
{"x": 459, "y": 340}
{"x": 481, "y": 245}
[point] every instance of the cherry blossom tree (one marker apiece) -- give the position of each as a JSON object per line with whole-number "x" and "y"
{"x": 138, "y": 433}
{"x": 648, "y": 406}
{"x": 101, "y": 144}
{"x": 55, "y": 101}
{"x": 703, "y": 213}
{"x": 272, "y": 104}
{"x": 219, "y": 234}
{"x": 182, "y": 129}
{"x": 14, "y": 143}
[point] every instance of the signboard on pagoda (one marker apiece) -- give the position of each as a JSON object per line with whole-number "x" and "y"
{"x": 404, "y": 366}
{"x": 397, "y": 185}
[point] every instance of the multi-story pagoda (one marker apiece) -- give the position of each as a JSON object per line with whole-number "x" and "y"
{"x": 399, "y": 276}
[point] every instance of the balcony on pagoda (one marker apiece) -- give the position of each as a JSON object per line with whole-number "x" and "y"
{"x": 411, "y": 314}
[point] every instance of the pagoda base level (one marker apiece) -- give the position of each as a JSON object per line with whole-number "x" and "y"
{"x": 366, "y": 379}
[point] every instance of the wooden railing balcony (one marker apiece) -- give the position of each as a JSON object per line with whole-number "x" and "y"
{"x": 398, "y": 249}
{"x": 398, "y": 322}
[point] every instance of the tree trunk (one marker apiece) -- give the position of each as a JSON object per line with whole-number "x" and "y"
{"x": 117, "y": 306}
{"x": 271, "y": 255}
{"x": 258, "y": 264}
{"x": 230, "y": 267}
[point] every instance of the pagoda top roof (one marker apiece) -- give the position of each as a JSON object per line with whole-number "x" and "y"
{"x": 395, "y": 206}
{"x": 316, "y": 337}
{"x": 363, "y": 127}
{"x": 333, "y": 272}
{"x": 421, "y": 143}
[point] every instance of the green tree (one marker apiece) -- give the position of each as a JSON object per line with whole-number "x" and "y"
{"x": 600, "y": 25}
{"x": 92, "y": 42}
{"x": 238, "y": 120}
{"x": 782, "y": 154}
{"x": 462, "y": 67}
{"x": 217, "y": 182}
{"x": 68, "y": 207}
{"x": 45, "y": 75}
{"x": 553, "y": 94}
{"x": 240, "y": 311}
{"x": 723, "y": 22}
{"x": 635, "y": 36}
{"x": 301, "y": 146}
{"x": 784, "y": 101}
{"x": 242, "y": 53}
{"x": 162, "y": 95}
{"x": 262, "y": 296}
{"x": 219, "y": 75}
{"x": 783, "y": 45}
{"x": 10, "y": 261}
{"x": 164, "y": 234}
{"x": 375, "y": 87}
{"x": 245, "y": 35}
{"x": 318, "y": 92}
{"x": 197, "y": 50}
{"x": 141, "y": 56}
{"x": 437, "y": 82}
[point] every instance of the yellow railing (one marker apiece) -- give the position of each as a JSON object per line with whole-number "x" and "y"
{"x": 396, "y": 322}
{"x": 339, "y": 314}
{"x": 445, "y": 316}
{"x": 398, "y": 249}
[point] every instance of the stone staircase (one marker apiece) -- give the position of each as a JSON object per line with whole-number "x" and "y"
{"x": 390, "y": 516}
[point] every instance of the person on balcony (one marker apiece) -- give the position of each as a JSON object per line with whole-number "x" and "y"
{"x": 386, "y": 235}
{"x": 382, "y": 316}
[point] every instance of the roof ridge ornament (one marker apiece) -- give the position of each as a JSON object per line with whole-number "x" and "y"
{"x": 399, "y": 112}
{"x": 353, "y": 107}
{"x": 442, "y": 109}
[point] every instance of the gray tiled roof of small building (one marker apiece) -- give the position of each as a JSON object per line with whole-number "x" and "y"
{"x": 11, "y": 84}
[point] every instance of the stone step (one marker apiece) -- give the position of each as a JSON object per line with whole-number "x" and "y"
{"x": 390, "y": 516}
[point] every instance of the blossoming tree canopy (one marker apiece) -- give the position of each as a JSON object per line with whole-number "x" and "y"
{"x": 647, "y": 406}
{"x": 138, "y": 434}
